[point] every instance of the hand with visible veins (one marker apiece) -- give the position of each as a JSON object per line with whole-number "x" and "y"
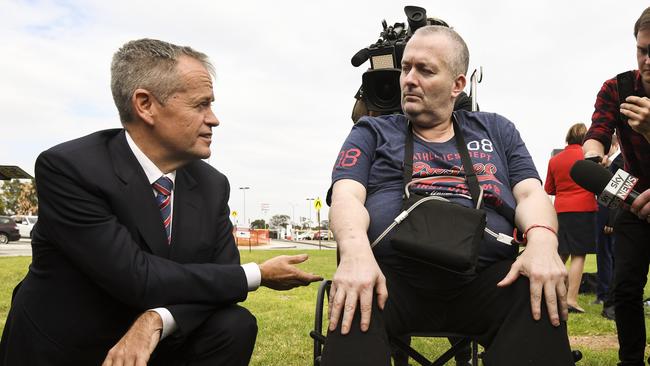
{"x": 355, "y": 282}
{"x": 547, "y": 275}
{"x": 136, "y": 346}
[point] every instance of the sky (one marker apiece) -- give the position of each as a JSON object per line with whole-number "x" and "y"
{"x": 284, "y": 87}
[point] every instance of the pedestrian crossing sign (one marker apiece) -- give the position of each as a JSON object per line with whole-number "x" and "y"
{"x": 318, "y": 204}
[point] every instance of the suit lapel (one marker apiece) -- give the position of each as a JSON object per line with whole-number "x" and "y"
{"x": 186, "y": 223}
{"x": 138, "y": 197}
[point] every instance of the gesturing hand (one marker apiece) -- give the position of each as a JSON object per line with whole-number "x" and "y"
{"x": 136, "y": 346}
{"x": 355, "y": 281}
{"x": 279, "y": 273}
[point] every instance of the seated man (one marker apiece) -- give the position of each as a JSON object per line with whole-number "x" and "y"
{"x": 519, "y": 319}
{"x": 131, "y": 220}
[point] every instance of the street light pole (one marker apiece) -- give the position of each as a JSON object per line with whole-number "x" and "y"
{"x": 243, "y": 189}
{"x": 309, "y": 204}
{"x": 293, "y": 212}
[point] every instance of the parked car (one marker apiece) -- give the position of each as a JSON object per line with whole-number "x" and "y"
{"x": 323, "y": 235}
{"x": 25, "y": 224}
{"x": 307, "y": 235}
{"x": 8, "y": 230}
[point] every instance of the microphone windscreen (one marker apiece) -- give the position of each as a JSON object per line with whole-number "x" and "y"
{"x": 360, "y": 57}
{"x": 590, "y": 176}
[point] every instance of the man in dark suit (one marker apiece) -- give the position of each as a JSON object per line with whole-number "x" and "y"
{"x": 133, "y": 256}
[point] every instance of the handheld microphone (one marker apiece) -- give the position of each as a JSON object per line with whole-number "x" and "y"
{"x": 612, "y": 189}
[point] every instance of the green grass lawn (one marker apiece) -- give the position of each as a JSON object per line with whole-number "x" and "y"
{"x": 285, "y": 318}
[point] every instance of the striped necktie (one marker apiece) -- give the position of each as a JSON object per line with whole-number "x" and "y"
{"x": 163, "y": 187}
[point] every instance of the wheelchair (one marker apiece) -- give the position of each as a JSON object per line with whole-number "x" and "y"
{"x": 400, "y": 344}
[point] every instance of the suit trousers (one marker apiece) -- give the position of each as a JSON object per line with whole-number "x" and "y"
{"x": 632, "y": 256}
{"x": 227, "y": 337}
{"x": 499, "y": 318}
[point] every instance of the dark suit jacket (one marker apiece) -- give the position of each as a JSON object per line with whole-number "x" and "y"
{"x": 100, "y": 256}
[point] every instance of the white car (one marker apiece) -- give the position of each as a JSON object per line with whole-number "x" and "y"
{"x": 307, "y": 235}
{"x": 25, "y": 224}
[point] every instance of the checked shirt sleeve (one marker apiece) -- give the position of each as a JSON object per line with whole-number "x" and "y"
{"x": 604, "y": 119}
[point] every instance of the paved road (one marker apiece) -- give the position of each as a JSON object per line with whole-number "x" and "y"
{"x": 24, "y": 246}
{"x": 298, "y": 245}
{"x": 15, "y": 248}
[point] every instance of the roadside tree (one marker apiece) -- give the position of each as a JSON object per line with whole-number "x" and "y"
{"x": 258, "y": 224}
{"x": 279, "y": 221}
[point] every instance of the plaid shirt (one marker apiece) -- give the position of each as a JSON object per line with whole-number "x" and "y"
{"x": 634, "y": 147}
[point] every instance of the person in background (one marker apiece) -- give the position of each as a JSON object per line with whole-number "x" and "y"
{"x": 576, "y": 211}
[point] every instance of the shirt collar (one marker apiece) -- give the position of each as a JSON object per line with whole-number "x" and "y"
{"x": 150, "y": 169}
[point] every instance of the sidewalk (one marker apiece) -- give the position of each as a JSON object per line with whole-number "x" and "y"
{"x": 23, "y": 246}
{"x": 288, "y": 244}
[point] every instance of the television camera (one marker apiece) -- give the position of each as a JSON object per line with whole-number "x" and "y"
{"x": 379, "y": 93}
{"x": 380, "y": 88}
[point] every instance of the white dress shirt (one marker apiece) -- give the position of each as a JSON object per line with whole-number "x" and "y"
{"x": 251, "y": 270}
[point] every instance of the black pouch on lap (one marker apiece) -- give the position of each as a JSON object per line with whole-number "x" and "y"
{"x": 435, "y": 231}
{"x": 443, "y": 234}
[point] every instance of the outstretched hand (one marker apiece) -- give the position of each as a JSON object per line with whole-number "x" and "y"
{"x": 279, "y": 273}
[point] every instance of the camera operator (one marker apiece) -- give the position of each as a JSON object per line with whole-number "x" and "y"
{"x": 379, "y": 93}
{"x": 383, "y": 293}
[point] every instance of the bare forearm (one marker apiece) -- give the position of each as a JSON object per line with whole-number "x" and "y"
{"x": 593, "y": 147}
{"x": 349, "y": 221}
{"x": 358, "y": 276}
{"x": 534, "y": 208}
{"x": 540, "y": 261}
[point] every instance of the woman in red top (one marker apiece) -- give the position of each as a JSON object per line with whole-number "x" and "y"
{"x": 576, "y": 211}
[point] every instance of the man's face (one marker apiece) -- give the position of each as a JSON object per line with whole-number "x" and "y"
{"x": 642, "y": 57}
{"x": 427, "y": 84}
{"x": 183, "y": 124}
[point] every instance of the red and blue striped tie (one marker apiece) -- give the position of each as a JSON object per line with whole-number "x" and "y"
{"x": 163, "y": 187}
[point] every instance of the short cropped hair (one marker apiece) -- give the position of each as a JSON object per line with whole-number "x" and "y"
{"x": 458, "y": 61}
{"x": 148, "y": 64}
{"x": 643, "y": 22}
{"x": 576, "y": 134}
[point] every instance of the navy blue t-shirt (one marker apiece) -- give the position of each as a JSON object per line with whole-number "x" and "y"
{"x": 374, "y": 151}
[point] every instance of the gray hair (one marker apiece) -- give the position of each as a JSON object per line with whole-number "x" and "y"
{"x": 458, "y": 61}
{"x": 148, "y": 64}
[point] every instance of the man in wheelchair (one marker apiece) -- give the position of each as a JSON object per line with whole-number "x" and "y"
{"x": 514, "y": 306}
